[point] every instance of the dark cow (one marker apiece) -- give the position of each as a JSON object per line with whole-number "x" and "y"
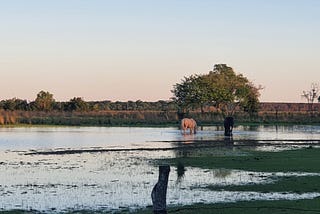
{"x": 228, "y": 126}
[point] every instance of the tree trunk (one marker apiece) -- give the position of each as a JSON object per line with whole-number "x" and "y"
{"x": 159, "y": 191}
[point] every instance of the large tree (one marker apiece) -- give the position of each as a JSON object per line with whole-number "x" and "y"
{"x": 221, "y": 87}
{"x": 44, "y": 101}
{"x": 192, "y": 92}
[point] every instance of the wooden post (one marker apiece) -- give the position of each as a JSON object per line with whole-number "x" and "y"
{"x": 159, "y": 191}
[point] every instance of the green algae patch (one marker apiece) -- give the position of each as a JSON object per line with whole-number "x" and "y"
{"x": 291, "y": 184}
{"x": 299, "y": 160}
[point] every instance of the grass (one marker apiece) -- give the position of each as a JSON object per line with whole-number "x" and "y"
{"x": 292, "y": 184}
{"x": 311, "y": 206}
{"x": 248, "y": 207}
{"x": 300, "y": 160}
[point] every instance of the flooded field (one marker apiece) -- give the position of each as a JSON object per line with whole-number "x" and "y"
{"x": 114, "y": 168}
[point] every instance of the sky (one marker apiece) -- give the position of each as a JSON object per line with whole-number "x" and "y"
{"x": 137, "y": 50}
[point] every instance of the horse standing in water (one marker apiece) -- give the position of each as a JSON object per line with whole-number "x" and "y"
{"x": 228, "y": 126}
{"x": 188, "y": 123}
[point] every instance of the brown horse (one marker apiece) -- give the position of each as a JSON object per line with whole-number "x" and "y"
{"x": 188, "y": 123}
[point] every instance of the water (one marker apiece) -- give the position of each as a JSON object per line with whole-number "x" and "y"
{"x": 116, "y": 179}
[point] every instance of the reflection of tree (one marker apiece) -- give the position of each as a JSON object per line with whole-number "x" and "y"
{"x": 183, "y": 150}
{"x": 183, "y": 153}
{"x": 180, "y": 171}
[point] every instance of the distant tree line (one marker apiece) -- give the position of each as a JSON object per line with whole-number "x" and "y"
{"x": 46, "y": 102}
{"x": 221, "y": 90}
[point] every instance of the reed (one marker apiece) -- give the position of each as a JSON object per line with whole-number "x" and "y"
{"x": 151, "y": 118}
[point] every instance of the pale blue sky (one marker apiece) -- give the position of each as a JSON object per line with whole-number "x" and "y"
{"x": 130, "y": 50}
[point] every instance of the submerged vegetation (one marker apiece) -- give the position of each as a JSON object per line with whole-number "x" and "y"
{"x": 300, "y": 160}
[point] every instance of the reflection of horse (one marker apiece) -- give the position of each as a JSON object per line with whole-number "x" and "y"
{"x": 188, "y": 123}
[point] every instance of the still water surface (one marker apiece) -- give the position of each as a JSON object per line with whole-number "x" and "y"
{"x": 118, "y": 179}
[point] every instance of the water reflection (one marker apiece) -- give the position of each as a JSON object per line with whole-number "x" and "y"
{"x": 110, "y": 180}
{"x": 127, "y": 137}
{"x": 228, "y": 140}
{"x": 188, "y": 138}
{"x": 180, "y": 171}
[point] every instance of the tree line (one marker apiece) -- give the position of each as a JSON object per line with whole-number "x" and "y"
{"x": 221, "y": 88}
{"x": 208, "y": 98}
{"x": 45, "y": 102}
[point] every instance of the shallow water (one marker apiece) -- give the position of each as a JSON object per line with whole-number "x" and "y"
{"x": 112, "y": 180}
{"x": 132, "y": 137}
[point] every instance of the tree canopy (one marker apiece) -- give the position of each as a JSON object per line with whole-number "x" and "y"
{"x": 77, "y": 104}
{"x": 221, "y": 87}
{"x": 44, "y": 101}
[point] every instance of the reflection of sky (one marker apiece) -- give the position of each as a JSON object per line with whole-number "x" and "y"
{"x": 131, "y": 137}
{"x": 116, "y": 179}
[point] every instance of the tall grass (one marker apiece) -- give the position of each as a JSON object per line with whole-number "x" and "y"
{"x": 149, "y": 118}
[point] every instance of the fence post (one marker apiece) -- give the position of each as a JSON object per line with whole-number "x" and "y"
{"x": 159, "y": 191}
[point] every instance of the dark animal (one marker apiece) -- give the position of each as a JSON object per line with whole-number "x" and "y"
{"x": 228, "y": 126}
